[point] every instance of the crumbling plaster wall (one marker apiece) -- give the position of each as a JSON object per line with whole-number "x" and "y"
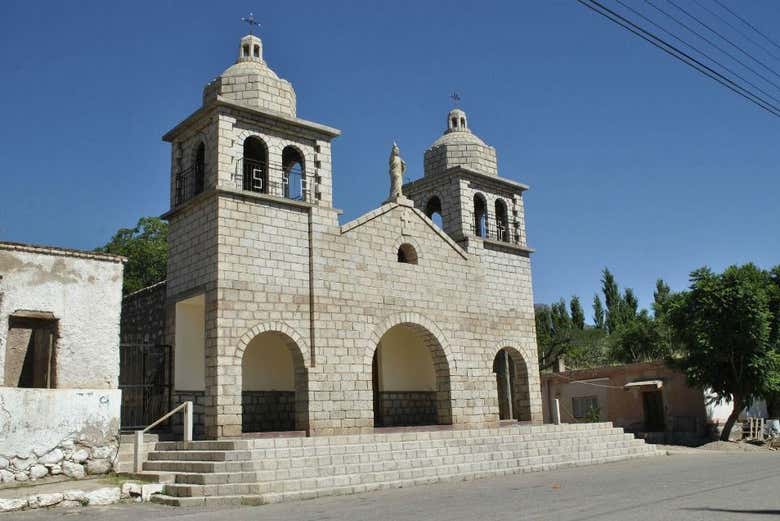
{"x": 83, "y": 291}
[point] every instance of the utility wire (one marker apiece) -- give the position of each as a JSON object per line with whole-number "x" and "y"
{"x": 767, "y": 38}
{"x": 718, "y": 47}
{"x": 740, "y": 49}
{"x": 704, "y": 54}
{"x": 679, "y": 54}
{"x": 737, "y": 30}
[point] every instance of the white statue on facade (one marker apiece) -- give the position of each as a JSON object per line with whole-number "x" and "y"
{"x": 397, "y": 169}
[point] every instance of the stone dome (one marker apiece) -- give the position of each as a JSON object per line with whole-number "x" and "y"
{"x": 459, "y": 146}
{"x": 250, "y": 82}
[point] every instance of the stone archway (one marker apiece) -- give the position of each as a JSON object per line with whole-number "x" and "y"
{"x": 274, "y": 381}
{"x": 514, "y": 398}
{"x": 411, "y": 376}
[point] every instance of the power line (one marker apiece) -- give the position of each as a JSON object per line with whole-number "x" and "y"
{"x": 740, "y": 49}
{"x": 737, "y": 30}
{"x": 678, "y": 54}
{"x": 718, "y": 47}
{"x": 767, "y": 38}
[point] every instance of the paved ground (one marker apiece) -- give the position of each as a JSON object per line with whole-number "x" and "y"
{"x": 691, "y": 487}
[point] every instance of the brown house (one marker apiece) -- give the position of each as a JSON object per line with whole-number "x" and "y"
{"x": 647, "y": 398}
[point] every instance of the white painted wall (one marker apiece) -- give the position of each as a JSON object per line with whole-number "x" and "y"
{"x": 190, "y": 345}
{"x": 267, "y": 364}
{"x": 37, "y": 420}
{"x": 405, "y": 363}
{"x": 84, "y": 293}
{"x": 719, "y": 412}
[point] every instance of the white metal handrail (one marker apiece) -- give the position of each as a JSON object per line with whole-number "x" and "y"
{"x": 139, "y": 435}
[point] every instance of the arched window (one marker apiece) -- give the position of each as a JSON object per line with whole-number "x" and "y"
{"x": 255, "y": 169}
{"x": 199, "y": 168}
{"x": 407, "y": 254}
{"x": 502, "y": 221}
{"x": 433, "y": 210}
{"x": 293, "y": 176}
{"x": 480, "y": 215}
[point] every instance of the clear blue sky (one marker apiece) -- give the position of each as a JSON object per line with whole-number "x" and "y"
{"x": 635, "y": 161}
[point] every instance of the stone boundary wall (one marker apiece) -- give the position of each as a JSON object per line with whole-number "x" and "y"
{"x": 47, "y": 432}
{"x": 264, "y": 411}
{"x": 405, "y": 408}
{"x": 143, "y": 316}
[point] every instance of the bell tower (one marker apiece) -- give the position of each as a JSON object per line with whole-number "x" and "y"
{"x": 248, "y": 180}
{"x": 462, "y": 185}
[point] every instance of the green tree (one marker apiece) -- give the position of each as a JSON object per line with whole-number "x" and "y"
{"x": 613, "y": 300}
{"x": 638, "y": 340}
{"x": 577, "y": 314}
{"x": 660, "y": 297}
{"x": 722, "y": 327}
{"x": 598, "y": 313}
{"x": 146, "y": 249}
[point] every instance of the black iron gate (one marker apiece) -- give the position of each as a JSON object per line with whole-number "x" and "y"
{"x": 145, "y": 380}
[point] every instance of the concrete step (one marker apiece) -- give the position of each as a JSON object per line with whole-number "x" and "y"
{"x": 274, "y": 497}
{"x": 200, "y": 455}
{"x": 323, "y": 456}
{"x": 372, "y": 472}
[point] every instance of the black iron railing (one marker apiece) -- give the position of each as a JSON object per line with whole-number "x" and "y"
{"x": 273, "y": 179}
{"x": 189, "y": 183}
{"x": 497, "y": 233}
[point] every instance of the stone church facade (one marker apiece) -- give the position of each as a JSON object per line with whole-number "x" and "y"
{"x": 419, "y": 312}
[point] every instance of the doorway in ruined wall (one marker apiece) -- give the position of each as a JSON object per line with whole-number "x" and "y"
{"x": 274, "y": 385}
{"x": 31, "y": 350}
{"x": 410, "y": 379}
{"x": 514, "y": 398}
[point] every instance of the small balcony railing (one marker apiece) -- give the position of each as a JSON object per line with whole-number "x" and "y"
{"x": 497, "y": 233}
{"x": 269, "y": 178}
{"x": 189, "y": 183}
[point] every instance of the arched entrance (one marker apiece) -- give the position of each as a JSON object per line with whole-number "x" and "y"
{"x": 410, "y": 379}
{"x": 274, "y": 385}
{"x": 514, "y": 399}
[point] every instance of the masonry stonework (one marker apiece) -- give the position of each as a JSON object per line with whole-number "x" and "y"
{"x": 281, "y": 270}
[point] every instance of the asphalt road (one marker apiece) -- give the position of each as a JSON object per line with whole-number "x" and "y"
{"x": 710, "y": 486}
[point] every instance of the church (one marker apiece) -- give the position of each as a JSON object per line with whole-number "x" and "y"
{"x": 283, "y": 319}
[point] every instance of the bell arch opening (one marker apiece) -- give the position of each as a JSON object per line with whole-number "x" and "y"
{"x": 410, "y": 379}
{"x": 514, "y": 398}
{"x": 274, "y": 385}
{"x": 433, "y": 211}
{"x": 255, "y": 165}
{"x": 480, "y": 215}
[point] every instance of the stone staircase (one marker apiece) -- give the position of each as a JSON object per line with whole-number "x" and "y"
{"x": 124, "y": 457}
{"x": 269, "y": 470}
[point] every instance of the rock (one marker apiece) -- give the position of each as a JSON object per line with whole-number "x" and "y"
{"x": 6, "y": 477}
{"x": 9, "y": 505}
{"x": 55, "y": 469}
{"x": 39, "y": 451}
{"x": 68, "y": 504}
{"x": 104, "y": 496}
{"x": 131, "y": 490}
{"x": 21, "y": 476}
{"x": 22, "y": 463}
{"x": 73, "y": 470}
{"x": 75, "y": 495}
{"x": 105, "y": 452}
{"x": 67, "y": 444}
{"x": 80, "y": 455}
{"x": 44, "y": 500}
{"x": 38, "y": 471}
{"x": 3, "y": 463}
{"x": 149, "y": 489}
{"x": 98, "y": 466}
{"x": 51, "y": 458}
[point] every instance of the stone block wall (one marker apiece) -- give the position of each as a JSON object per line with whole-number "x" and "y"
{"x": 143, "y": 316}
{"x": 263, "y": 411}
{"x": 407, "y": 408}
{"x": 198, "y": 399}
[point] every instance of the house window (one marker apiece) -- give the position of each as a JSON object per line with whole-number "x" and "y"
{"x": 31, "y": 349}
{"x": 583, "y": 406}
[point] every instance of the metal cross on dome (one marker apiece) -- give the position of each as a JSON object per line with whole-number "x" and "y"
{"x": 250, "y": 21}
{"x": 455, "y": 97}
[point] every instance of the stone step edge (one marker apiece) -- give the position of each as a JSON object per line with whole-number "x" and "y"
{"x": 612, "y": 433}
{"x": 255, "y": 454}
{"x": 380, "y": 456}
{"x": 515, "y": 464}
{"x": 276, "y": 497}
{"x": 570, "y": 428}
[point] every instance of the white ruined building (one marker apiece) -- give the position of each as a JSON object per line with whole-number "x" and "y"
{"x": 59, "y": 355}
